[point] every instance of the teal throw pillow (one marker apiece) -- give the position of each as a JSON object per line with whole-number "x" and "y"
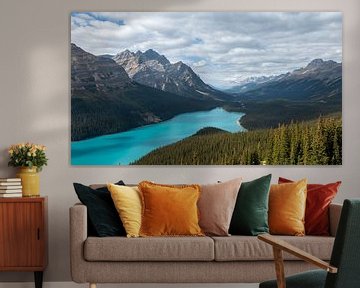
{"x": 250, "y": 216}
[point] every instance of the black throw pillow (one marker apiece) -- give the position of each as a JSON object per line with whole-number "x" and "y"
{"x": 103, "y": 217}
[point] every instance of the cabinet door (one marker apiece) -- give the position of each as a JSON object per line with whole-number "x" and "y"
{"x": 21, "y": 234}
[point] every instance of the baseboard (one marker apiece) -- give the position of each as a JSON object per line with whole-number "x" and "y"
{"x": 74, "y": 285}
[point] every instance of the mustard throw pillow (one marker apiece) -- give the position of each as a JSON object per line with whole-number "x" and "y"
{"x": 169, "y": 210}
{"x": 127, "y": 201}
{"x": 287, "y": 204}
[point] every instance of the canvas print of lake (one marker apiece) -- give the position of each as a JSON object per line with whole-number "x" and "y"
{"x": 206, "y": 88}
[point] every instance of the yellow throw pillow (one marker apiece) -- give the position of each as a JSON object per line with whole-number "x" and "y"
{"x": 127, "y": 201}
{"x": 287, "y": 204}
{"x": 169, "y": 210}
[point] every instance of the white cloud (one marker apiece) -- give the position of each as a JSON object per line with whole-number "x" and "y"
{"x": 219, "y": 46}
{"x": 200, "y": 63}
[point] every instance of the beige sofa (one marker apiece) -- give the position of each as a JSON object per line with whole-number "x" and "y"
{"x": 234, "y": 259}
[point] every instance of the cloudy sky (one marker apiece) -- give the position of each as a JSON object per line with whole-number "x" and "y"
{"x": 223, "y": 48}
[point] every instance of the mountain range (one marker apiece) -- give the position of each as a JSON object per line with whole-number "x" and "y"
{"x": 319, "y": 81}
{"x": 249, "y": 83}
{"x": 105, "y": 100}
{"x": 111, "y": 94}
{"x": 154, "y": 70}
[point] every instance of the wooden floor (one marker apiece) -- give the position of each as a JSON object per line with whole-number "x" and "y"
{"x": 74, "y": 285}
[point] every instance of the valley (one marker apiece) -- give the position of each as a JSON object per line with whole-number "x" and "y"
{"x": 111, "y": 95}
{"x": 126, "y": 147}
{"x": 104, "y": 100}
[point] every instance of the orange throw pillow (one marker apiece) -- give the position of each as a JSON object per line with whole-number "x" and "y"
{"x": 287, "y": 204}
{"x": 319, "y": 197}
{"x": 169, "y": 210}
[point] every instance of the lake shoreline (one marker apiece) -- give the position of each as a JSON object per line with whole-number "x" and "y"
{"x": 126, "y": 147}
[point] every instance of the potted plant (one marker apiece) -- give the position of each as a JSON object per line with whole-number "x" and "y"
{"x": 30, "y": 158}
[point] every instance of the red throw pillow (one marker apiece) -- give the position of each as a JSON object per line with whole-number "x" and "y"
{"x": 319, "y": 197}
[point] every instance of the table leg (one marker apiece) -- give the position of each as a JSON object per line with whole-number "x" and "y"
{"x": 38, "y": 279}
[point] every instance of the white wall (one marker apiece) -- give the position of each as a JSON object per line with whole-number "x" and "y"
{"x": 35, "y": 105}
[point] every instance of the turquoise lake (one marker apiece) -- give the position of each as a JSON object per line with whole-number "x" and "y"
{"x": 125, "y": 147}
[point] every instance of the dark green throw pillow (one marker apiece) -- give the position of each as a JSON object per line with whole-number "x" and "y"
{"x": 250, "y": 216}
{"x": 103, "y": 219}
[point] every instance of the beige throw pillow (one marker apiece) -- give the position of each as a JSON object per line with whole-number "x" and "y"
{"x": 216, "y": 206}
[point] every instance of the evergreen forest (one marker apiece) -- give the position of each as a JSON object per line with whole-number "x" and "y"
{"x": 316, "y": 142}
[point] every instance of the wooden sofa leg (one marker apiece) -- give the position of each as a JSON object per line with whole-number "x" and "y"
{"x": 92, "y": 285}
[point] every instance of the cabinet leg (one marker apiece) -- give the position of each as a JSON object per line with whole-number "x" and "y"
{"x": 38, "y": 279}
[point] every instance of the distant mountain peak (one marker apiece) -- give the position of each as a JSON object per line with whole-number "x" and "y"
{"x": 151, "y": 53}
{"x": 154, "y": 70}
{"x": 127, "y": 52}
{"x": 312, "y": 81}
{"x": 316, "y": 62}
{"x": 320, "y": 63}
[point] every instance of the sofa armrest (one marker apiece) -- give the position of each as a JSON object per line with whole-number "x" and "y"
{"x": 334, "y": 217}
{"x": 78, "y": 235}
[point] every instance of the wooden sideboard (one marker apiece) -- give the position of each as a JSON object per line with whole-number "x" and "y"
{"x": 23, "y": 235}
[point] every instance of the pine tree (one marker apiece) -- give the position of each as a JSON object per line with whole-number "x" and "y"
{"x": 318, "y": 155}
{"x": 276, "y": 147}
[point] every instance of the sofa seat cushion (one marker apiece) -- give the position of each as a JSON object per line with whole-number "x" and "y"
{"x": 244, "y": 248}
{"x": 149, "y": 249}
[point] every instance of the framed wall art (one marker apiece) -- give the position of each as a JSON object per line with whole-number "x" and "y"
{"x": 206, "y": 88}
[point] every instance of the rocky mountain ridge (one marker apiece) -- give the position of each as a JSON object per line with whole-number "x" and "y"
{"x": 319, "y": 80}
{"x": 154, "y": 70}
{"x": 89, "y": 72}
{"x": 105, "y": 100}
